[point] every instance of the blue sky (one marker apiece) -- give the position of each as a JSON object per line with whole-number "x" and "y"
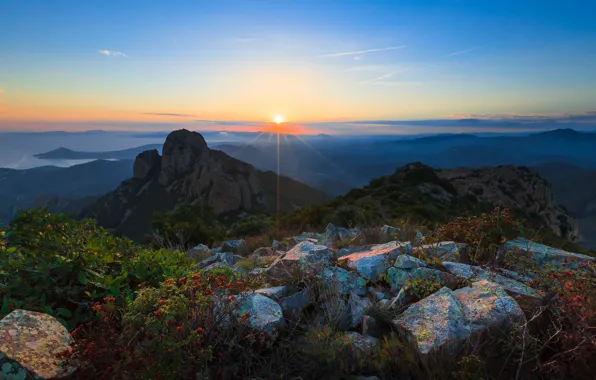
{"x": 118, "y": 64}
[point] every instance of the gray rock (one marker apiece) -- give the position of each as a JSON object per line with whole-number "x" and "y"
{"x": 200, "y": 250}
{"x": 523, "y": 293}
{"x": 445, "y": 250}
{"x": 375, "y": 261}
{"x": 348, "y": 281}
{"x": 435, "y": 323}
{"x": 358, "y": 307}
{"x": 303, "y": 258}
{"x": 360, "y": 342}
{"x": 487, "y": 305}
{"x": 544, "y": 255}
{"x": 274, "y": 293}
{"x": 397, "y": 277}
{"x": 234, "y": 246}
{"x": 342, "y": 252}
{"x": 294, "y": 304}
{"x": 264, "y": 314}
{"x": 408, "y": 262}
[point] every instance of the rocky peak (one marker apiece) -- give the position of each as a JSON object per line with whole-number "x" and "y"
{"x": 147, "y": 164}
{"x": 181, "y": 151}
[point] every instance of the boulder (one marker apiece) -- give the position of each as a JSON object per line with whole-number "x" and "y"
{"x": 264, "y": 251}
{"x": 198, "y": 252}
{"x": 333, "y": 233}
{"x": 445, "y": 250}
{"x": 305, "y": 257}
{"x": 358, "y": 307}
{"x": 274, "y": 293}
{"x": 488, "y": 306}
{"x": 293, "y": 305}
{"x": 33, "y": 341}
{"x": 435, "y": 323}
{"x": 261, "y": 313}
{"x": 374, "y": 262}
{"x": 360, "y": 342}
{"x": 543, "y": 255}
{"x": 348, "y": 282}
{"x": 522, "y": 293}
{"x": 408, "y": 262}
{"x": 235, "y": 246}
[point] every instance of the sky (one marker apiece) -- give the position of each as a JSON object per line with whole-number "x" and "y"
{"x": 325, "y": 66}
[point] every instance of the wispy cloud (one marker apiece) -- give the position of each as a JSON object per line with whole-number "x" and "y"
{"x": 168, "y": 114}
{"x": 111, "y": 53}
{"x": 359, "y": 52}
{"x": 366, "y": 68}
{"x": 460, "y": 52}
{"x": 381, "y": 79}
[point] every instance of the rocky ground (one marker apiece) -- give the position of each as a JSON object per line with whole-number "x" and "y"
{"x": 433, "y": 296}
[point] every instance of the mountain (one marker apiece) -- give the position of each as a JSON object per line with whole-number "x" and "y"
{"x": 189, "y": 171}
{"x": 37, "y": 186}
{"x": 421, "y": 194}
{"x": 68, "y": 154}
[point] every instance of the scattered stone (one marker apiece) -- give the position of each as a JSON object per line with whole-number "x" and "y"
{"x": 349, "y": 282}
{"x": 264, "y": 314}
{"x": 360, "y": 342}
{"x": 544, "y": 255}
{"x": 435, "y": 323}
{"x": 342, "y": 252}
{"x": 358, "y": 307}
{"x": 197, "y": 252}
{"x": 235, "y": 246}
{"x": 264, "y": 251}
{"x": 375, "y": 262}
{"x": 294, "y": 304}
{"x": 445, "y": 250}
{"x": 397, "y": 277}
{"x": 487, "y": 305}
{"x": 305, "y": 257}
{"x": 33, "y": 340}
{"x": 274, "y": 293}
{"x": 408, "y": 262}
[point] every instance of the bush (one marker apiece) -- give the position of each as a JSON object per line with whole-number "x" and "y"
{"x": 56, "y": 265}
{"x": 252, "y": 225}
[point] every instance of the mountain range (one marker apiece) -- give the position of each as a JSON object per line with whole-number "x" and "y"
{"x": 332, "y": 165}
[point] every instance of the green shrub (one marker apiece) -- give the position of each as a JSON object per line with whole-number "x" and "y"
{"x": 53, "y": 264}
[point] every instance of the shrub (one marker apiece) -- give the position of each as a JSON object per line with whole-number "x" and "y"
{"x": 252, "y": 225}
{"x": 53, "y": 264}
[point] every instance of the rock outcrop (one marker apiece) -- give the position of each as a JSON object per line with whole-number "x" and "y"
{"x": 517, "y": 188}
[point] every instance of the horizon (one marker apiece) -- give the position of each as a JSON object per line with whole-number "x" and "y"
{"x": 338, "y": 68}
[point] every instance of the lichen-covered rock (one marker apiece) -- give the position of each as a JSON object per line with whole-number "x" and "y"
{"x": 234, "y": 246}
{"x": 358, "y": 307}
{"x": 375, "y": 261}
{"x": 522, "y": 293}
{"x": 261, "y": 313}
{"x": 333, "y": 233}
{"x": 294, "y": 304}
{"x": 487, "y": 305}
{"x": 543, "y": 255}
{"x": 408, "y": 262}
{"x": 437, "y": 322}
{"x": 360, "y": 342}
{"x": 275, "y": 293}
{"x": 305, "y": 257}
{"x": 200, "y": 250}
{"x": 34, "y": 340}
{"x": 348, "y": 282}
{"x": 397, "y": 277}
{"x": 445, "y": 250}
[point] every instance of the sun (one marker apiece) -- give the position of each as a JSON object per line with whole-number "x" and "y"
{"x": 278, "y": 119}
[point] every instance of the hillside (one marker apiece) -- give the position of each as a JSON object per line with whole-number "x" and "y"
{"x": 34, "y": 187}
{"x": 68, "y": 154}
{"x": 189, "y": 171}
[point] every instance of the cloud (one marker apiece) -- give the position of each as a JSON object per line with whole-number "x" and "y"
{"x": 168, "y": 114}
{"x": 366, "y": 68}
{"x": 358, "y": 52}
{"x": 111, "y": 53}
{"x": 460, "y": 52}
{"x": 380, "y": 79}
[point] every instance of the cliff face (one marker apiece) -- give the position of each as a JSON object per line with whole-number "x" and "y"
{"x": 514, "y": 187}
{"x": 187, "y": 171}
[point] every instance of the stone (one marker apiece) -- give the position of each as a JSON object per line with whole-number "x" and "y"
{"x": 198, "y": 251}
{"x": 264, "y": 251}
{"x": 342, "y": 252}
{"x": 408, "y": 262}
{"x": 487, "y": 305}
{"x": 348, "y": 282}
{"x": 264, "y": 314}
{"x": 435, "y": 323}
{"x": 332, "y": 233}
{"x": 358, "y": 307}
{"x": 522, "y": 293}
{"x": 303, "y": 258}
{"x": 445, "y": 250}
{"x": 374, "y": 262}
{"x": 544, "y": 255}
{"x": 235, "y": 246}
{"x": 360, "y": 342}
{"x": 33, "y": 340}
{"x": 274, "y": 293}
{"x": 397, "y": 277}
{"x": 294, "y": 304}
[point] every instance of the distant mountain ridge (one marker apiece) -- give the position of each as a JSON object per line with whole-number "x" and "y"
{"x": 69, "y": 154}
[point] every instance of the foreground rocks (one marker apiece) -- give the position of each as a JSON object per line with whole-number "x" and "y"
{"x": 33, "y": 341}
